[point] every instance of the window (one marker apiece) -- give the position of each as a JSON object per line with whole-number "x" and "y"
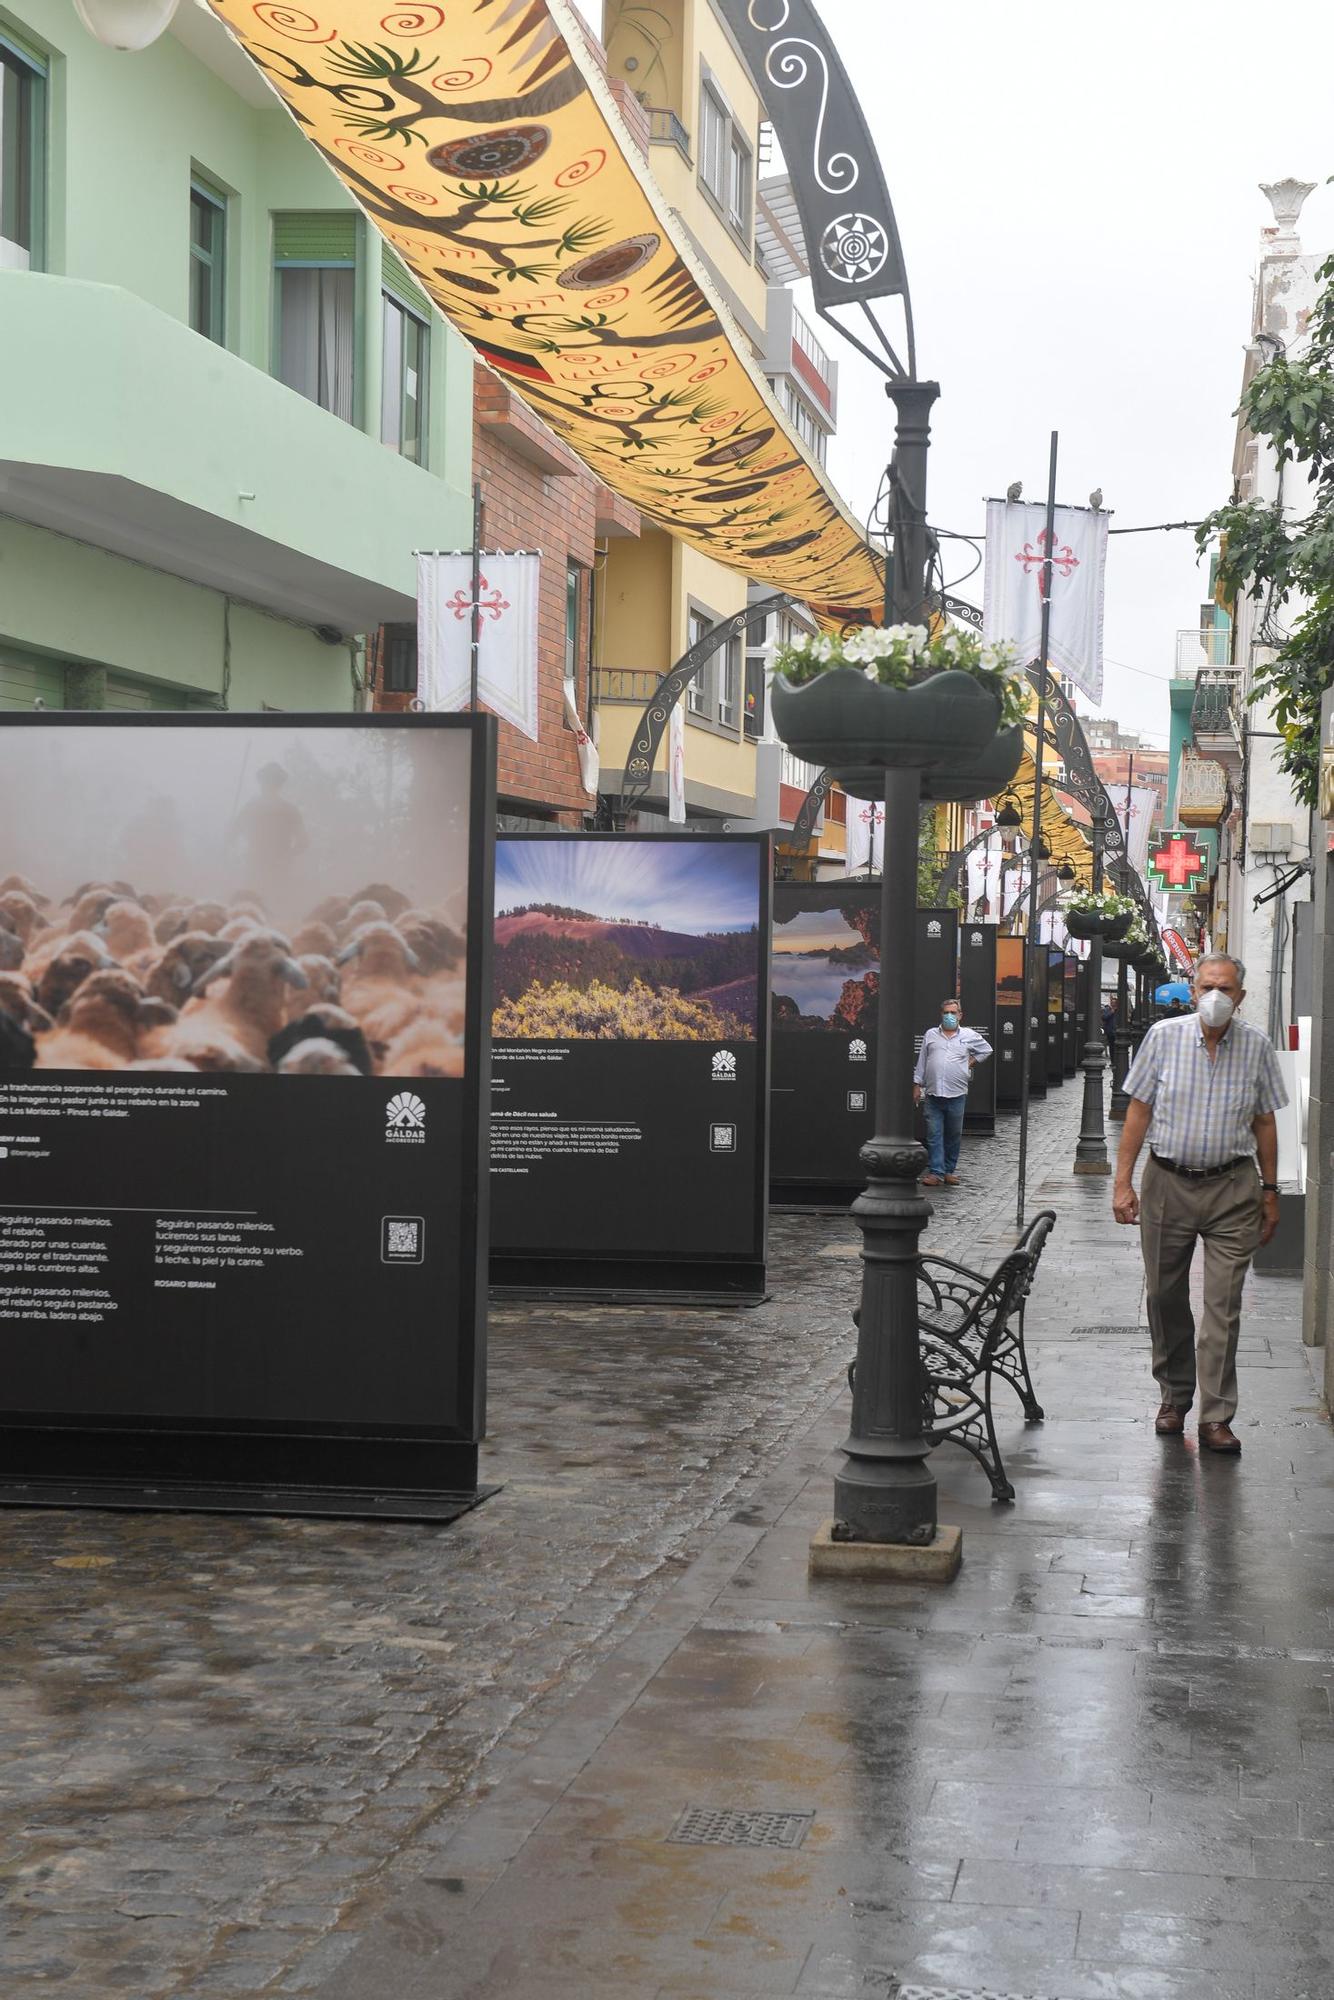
{"x": 803, "y": 421}
{"x": 208, "y": 258}
{"x": 574, "y": 581}
{"x": 315, "y": 258}
{"x": 398, "y": 659}
{"x": 729, "y": 683}
{"x": 699, "y": 694}
{"x": 738, "y": 185}
{"x": 403, "y": 380}
{"x": 713, "y": 123}
{"x": 22, "y": 148}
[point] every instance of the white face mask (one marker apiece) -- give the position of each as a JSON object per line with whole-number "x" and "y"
{"x": 1215, "y": 1009}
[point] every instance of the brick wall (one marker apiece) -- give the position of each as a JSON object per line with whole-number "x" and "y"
{"x": 536, "y": 495}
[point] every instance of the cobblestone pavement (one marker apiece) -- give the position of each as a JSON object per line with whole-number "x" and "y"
{"x": 1096, "y": 1766}
{"x": 224, "y": 1740}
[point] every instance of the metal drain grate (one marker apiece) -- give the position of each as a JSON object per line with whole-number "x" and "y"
{"x": 952, "y": 1993}
{"x": 718, "y": 1826}
{"x": 1098, "y": 1333}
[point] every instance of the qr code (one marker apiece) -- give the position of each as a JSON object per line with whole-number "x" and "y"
{"x": 401, "y": 1239}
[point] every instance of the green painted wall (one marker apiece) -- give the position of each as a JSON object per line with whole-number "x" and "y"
{"x": 115, "y": 384}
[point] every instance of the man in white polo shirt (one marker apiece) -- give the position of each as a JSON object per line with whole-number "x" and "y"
{"x": 948, "y": 1056}
{"x": 1203, "y": 1089}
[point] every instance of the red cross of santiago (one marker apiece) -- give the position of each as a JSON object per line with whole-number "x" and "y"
{"x": 1065, "y": 560}
{"x": 1178, "y": 860}
{"x": 494, "y": 606}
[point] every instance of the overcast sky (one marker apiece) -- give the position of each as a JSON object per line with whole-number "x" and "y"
{"x": 1076, "y": 190}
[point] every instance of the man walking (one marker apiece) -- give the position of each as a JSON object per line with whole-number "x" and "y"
{"x": 949, "y": 1054}
{"x": 1204, "y": 1090}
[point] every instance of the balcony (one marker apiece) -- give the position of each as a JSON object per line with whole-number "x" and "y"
{"x": 1201, "y": 649}
{"x": 666, "y": 129}
{"x": 1214, "y": 720}
{"x": 625, "y": 684}
{"x": 1202, "y": 791}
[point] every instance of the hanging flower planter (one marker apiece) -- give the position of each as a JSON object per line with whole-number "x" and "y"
{"x": 961, "y": 781}
{"x": 844, "y": 721}
{"x": 894, "y": 697}
{"x": 1098, "y": 913}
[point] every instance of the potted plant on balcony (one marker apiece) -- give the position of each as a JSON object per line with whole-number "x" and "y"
{"x": 1101, "y": 913}
{"x": 895, "y": 696}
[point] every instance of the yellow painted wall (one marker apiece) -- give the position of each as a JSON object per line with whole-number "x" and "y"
{"x": 670, "y": 42}
{"x": 637, "y": 627}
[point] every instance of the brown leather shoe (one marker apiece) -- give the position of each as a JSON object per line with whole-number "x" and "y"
{"x": 951, "y": 1180}
{"x": 1170, "y": 1421}
{"x": 1220, "y": 1437}
{"x": 930, "y": 1180}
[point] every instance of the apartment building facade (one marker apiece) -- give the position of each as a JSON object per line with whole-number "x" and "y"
{"x": 239, "y": 416}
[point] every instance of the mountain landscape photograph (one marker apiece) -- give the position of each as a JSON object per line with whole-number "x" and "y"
{"x": 826, "y": 969}
{"x": 625, "y": 940}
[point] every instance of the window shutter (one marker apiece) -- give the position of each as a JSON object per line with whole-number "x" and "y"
{"x": 395, "y": 280}
{"x": 328, "y": 237}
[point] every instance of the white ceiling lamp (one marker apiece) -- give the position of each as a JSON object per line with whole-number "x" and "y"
{"x": 125, "y": 24}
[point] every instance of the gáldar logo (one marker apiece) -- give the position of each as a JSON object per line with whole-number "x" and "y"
{"x": 724, "y": 1066}
{"x": 856, "y": 1049}
{"x": 405, "y": 1120}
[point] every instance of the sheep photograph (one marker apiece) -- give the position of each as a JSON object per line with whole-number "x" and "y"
{"x": 277, "y": 901}
{"x": 625, "y": 940}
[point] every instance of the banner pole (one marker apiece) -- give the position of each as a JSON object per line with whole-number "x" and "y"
{"x": 475, "y": 648}
{"x": 1026, "y": 1051}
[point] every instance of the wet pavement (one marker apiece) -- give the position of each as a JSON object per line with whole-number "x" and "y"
{"x": 247, "y": 1758}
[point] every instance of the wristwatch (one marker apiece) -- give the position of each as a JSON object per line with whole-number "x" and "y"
{"x": 1269, "y": 1187}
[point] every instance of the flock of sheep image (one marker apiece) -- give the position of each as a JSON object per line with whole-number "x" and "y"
{"x": 113, "y": 978}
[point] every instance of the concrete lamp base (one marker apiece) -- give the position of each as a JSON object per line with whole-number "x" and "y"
{"x": 1099, "y": 1167}
{"x": 887, "y": 1562}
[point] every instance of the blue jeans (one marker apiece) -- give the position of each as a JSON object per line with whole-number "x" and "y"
{"x": 944, "y": 1131}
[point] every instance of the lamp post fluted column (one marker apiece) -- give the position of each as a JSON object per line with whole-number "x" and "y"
{"x": 1120, "y": 1044}
{"x": 886, "y": 1491}
{"x": 1091, "y": 1148}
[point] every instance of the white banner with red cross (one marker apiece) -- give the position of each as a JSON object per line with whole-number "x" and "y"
{"x": 507, "y": 640}
{"x": 865, "y": 836}
{"x": 1134, "y": 806}
{"x": 1017, "y": 556}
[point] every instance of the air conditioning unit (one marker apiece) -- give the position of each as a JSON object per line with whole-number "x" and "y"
{"x": 1271, "y": 836}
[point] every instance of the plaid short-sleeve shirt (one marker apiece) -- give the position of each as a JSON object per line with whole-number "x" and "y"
{"x": 1203, "y": 1106}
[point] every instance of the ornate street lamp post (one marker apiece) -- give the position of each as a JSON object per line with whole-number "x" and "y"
{"x": 1091, "y": 1147}
{"x": 1120, "y": 1044}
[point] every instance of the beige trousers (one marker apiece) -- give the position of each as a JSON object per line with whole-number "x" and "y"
{"x": 1224, "y": 1214}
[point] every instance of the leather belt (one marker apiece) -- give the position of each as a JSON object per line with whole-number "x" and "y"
{"x": 1200, "y": 1173}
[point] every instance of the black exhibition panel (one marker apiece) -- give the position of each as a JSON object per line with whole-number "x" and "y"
{"x": 1037, "y": 1019}
{"x": 977, "y": 991}
{"x": 1009, "y": 1022}
{"x": 1055, "y": 1024}
{"x": 248, "y": 1275}
{"x": 826, "y": 971}
{"x": 1071, "y": 1010}
{"x": 630, "y": 1065}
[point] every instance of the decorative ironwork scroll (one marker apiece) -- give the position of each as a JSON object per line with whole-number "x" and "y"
{"x": 803, "y": 826}
{"x": 648, "y": 735}
{"x": 485, "y": 144}
{"x": 852, "y": 239}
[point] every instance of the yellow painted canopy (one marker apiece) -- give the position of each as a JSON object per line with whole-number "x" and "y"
{"x": 483, "y": 141}
{"x": 1064, "y": 835}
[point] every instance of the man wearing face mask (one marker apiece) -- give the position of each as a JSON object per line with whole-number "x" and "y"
{"x": 948, "y": 1056}
{"x": 1203, "y": 1089}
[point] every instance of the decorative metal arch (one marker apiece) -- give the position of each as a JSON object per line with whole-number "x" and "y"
{"x": 644, "y": 749}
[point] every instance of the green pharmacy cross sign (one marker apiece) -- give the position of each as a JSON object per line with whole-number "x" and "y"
{"x": 1176, "y": 861}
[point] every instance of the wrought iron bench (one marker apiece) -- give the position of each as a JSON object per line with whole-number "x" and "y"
{"x": 971, "y": 1331}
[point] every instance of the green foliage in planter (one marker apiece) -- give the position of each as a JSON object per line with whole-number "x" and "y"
{"x": 1271, "y": 557}
{"x": 1101, "y": 903}
{"x": 903, "y": 656}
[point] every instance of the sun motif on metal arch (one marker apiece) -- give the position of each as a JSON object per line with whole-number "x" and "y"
{"x": 854, "y": 247}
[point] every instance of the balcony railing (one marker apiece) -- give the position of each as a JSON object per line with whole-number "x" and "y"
{"x": 803, "y": 336}
{"x": 1214, "y": 721}
{"x": 629, "y": 684}
{"x": 1201, "y": 791}
{"x": 666, "y": 129}
{"x": 1201, "y": 648}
